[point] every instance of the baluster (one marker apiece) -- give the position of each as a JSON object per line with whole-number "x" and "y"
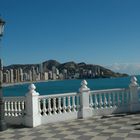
{"x": 49, "y": 106}
{"x": 69, "y": 104}
{"x": 73, "y": 104}
{"x": 23, "y": 107}
{"x": 40, "y": 109}
{"x": 114, "y": 100}
{"x": 19, "y": 108}
{"x": 100, "y": 101}
{"x": 5, "y": 108}
{"x": 109, "y": 100}
{"x": 9, "y": 109}
{"x": 64, "y": 104}
{"x": 118, "y": 99}
{"x": 127, "y": 97}
{"x": 59, "y": 105}
{"x": 123, "y": 96}
{"x": 15, "y": 105}
{"x": 44, "y": 107}
{"x": 91, "y": 101}
{"x": 119, "y": 95}
{"x": 12, "y": 108}
{"x": 105, "y": 101}
{"x": 54, "y": 106}
{"x": 78, "y": 103}
{"x": 96, "y": 102}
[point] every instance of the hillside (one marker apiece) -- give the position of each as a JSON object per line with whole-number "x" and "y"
{"x": 82, "y": 69}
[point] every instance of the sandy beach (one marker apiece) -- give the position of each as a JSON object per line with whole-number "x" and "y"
{"x": 27, "y": 82}
{"x": 21, "y": 83}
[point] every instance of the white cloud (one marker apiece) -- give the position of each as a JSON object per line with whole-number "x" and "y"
{"x": 129, "y": 68}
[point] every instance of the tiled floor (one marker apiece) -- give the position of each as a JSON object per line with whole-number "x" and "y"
{"x": 116, "y": 127}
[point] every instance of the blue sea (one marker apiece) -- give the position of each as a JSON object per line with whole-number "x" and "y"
{"x": 64, "y": 86}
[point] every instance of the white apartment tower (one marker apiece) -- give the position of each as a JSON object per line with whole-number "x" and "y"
{"x": 11, "y": 75}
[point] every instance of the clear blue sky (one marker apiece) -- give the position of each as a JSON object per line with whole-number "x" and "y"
{"x": 103, "y": 32}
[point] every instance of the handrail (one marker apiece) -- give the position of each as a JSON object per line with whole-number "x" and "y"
{"x": 17, "y": 98}
{"x": 109, "y": 90}
{"x": 58, "y": 95}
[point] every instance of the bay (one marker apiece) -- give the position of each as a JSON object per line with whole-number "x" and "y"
{"x": 65, "y": 86}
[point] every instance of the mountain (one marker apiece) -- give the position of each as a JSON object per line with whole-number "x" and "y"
{"x": 82, "y": 69}
{"x": 50, "y": 63}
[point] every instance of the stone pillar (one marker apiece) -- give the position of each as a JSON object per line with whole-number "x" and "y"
{"x": 85, "y": 110}
{"x": 134, "y": 97}
{"x": 32, "y": 118}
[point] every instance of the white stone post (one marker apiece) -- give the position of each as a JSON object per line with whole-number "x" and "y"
{"x": 134, "y": 98}
{"x": 32, "y": 118}
{"x": 85, "y": 110}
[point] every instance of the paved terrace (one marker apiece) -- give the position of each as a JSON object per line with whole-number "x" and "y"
{"x": 113, "y": 127}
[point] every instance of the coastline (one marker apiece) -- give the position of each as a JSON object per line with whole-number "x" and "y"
{"x": 22, "y": 83}
{"x": 29, "y": 82}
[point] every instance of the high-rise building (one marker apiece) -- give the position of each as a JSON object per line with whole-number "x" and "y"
{"x": 41, "y": 71}
{"x": 54, "y": 76}
{"x": 50, "y": 75}
{"x": 11, "y": 76}
{"x": 15, "y": 75}
{"x": 30, "y": 75}
{"x": 45, "y": 76}
{"x": 20, "y": 75}
{"x": 33, "y": 74}
{"x": 65, "y": 73}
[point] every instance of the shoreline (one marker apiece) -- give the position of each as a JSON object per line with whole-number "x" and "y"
{"x": 22, "y": 83}
{"x": 29, "y": 82}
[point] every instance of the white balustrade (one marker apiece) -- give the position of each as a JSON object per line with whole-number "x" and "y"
{"x": 114, "y": 101}
{"x": 64, "y": 104}
{"x": 69, "y": 105}
{"x": 95, "y": 102}
{"x": 77, "y": 102}
{"x": 91, "y": 101}
{"x": 33, "y": 109}
{"x": 14, "y": 106}
{"x": 105, "y": 101}
{"x": 54, "y": 106}
{"x": 109, "y": 98}
{"x": 58, "y": 104}
{"x": 100, "y": 101}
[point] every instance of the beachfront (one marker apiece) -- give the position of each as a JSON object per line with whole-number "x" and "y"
{"x": 27, "y": 82}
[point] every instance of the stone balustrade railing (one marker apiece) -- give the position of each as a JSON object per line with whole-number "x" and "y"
{"x": 58, "y": 104}
{"x": 109, "y": 98}
{"x": 14, "y": 106}
{"x": 33, "y": 109}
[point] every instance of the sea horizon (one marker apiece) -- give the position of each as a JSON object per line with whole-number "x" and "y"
{"x": 66, "y": 86}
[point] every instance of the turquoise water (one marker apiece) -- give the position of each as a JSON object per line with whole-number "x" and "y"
{"x": 56, "y": 87}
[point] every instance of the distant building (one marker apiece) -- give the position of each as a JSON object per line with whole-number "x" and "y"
{"x": 50, "y": 75}
{"x": 54, "y": 76}
{"x": 61, "y": 76}
{"x": 46, "y": 77}
{"x": 65, "y": 74}
{"x": 11, "y": 76}
{"x": 30, "y": 75}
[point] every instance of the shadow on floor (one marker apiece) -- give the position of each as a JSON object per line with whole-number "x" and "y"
{"x": 16, "y": 126}
{"x": 118, "y": 115}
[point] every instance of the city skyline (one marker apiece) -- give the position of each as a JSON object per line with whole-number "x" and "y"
{"x": 53, "y": 70}
{"x": 96, "y": 32}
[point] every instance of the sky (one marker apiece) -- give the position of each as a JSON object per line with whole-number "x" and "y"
{"x": 103, "y": 32}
